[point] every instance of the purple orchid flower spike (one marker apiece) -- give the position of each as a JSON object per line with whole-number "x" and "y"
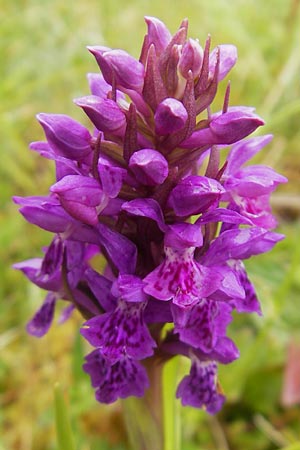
{"x": 142, "y": 190}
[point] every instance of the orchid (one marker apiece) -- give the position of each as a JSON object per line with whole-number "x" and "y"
{"x": 159, "y": 188}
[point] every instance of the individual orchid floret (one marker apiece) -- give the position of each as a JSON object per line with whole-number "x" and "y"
{"x": 200, "y": 388}
{"x": 121, "y": 379}
{"x": 149, "y": 167}
{"x": 121, "y": 332}
{"x": 40, "y": 323}
{"x": 203, "y": 323}
{"x": 179, "y": 277}
{"x": 121, "y": 335}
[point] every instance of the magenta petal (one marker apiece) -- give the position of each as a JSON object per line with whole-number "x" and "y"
{"x": 101, "y": 288}
{"x": 119, "y": 380}
{"x": 234, "y": 125}
{"x": 183, "y": 235}
{"x": 250, "y": 302}
{"x": 120, "y": 332}
{"x": 120, "y": 249}
{"x": 99, "y": 87}
{"x": 253, "y": 181}
{"x": 129, "y": 288}
{"x": 41, "y": 321}
{"x": 245, "y": 150}
{"x": 202, "y": 324}
{"x": 45, "y": 212}
{"x": 228, "y": 58}
{"x": 146, "y": 207}
{"x": 223, "y": 215}
{"x": 66, "y": 313}
{"x": 240, "y": 244}
{"x": 111, "y": 177}
{"x": 46, "y": 272}
{"x": 225, "y": 351}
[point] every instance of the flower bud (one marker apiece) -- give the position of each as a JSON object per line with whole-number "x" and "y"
{"x": 66, "y": 136}
{"x": 119, "y": 67}
{"x": 194, "y": 195}
{"x": 81, "y": 197}
{"x": 225, "y": 129}
{"x": 191, "y": 58}
{"x": 149, "y": 167}
{"x": 170, "y": 116}
{"x": 104, "y": 113}
{"x": 234, "y": 125}
{"x": 158, "y": 34}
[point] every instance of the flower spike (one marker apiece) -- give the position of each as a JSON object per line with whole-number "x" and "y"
{"x": 154, "y": 207}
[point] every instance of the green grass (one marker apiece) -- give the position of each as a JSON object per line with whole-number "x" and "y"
{"x": 43, "y": 63}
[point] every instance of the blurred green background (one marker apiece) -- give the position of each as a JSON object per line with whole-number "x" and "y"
{"x": 43, "y": 62}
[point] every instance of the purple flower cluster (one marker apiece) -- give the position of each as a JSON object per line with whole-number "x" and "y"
{"x": 152, "y": 214}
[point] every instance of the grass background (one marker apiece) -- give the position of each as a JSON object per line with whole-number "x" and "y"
{"x": 43, "y": 62}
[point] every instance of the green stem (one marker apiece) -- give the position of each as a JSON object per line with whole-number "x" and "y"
{"x": 171, "y": 416}
{"x": 63, "y": 427}
{"x": 143, "y": 416}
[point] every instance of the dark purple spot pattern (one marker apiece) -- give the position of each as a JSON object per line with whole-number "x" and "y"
{"x": 115, "y": 380}
{"x": 120, "y": 333}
